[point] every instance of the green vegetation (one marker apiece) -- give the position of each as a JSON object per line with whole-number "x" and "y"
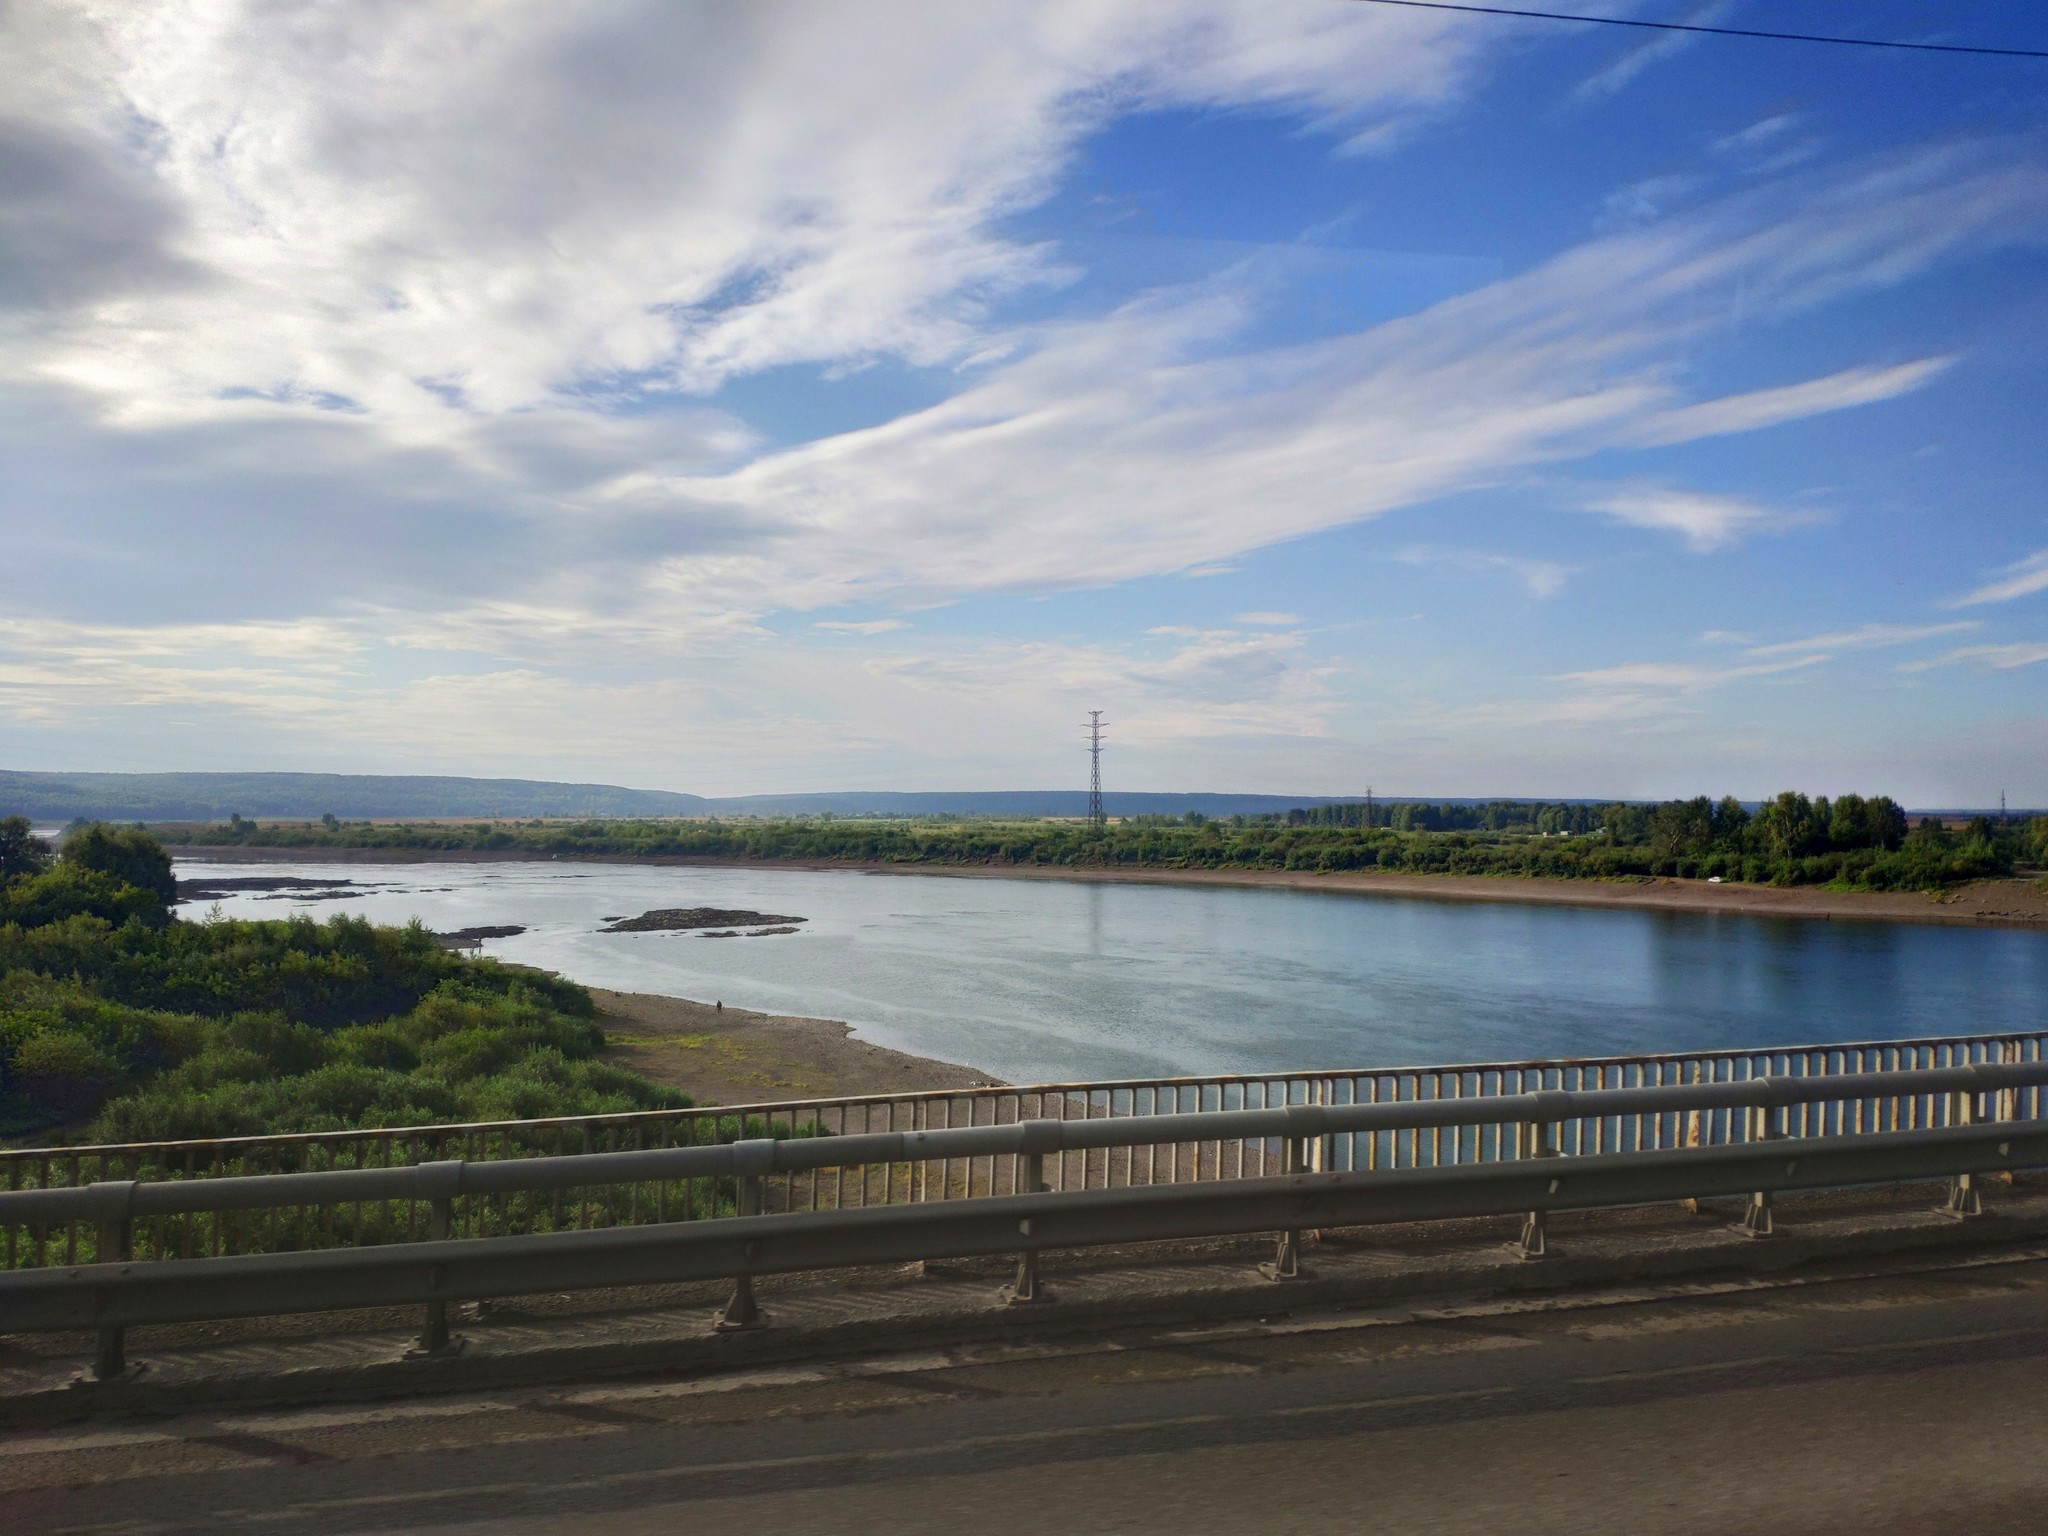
{"x": 1851, "y": 842}
{"x": 124, "y": 1022}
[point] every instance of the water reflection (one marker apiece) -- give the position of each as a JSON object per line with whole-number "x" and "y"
{"x": 1034, "y": 979}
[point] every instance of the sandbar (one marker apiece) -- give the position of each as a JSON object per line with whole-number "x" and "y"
{"x": 737, "y": 1056}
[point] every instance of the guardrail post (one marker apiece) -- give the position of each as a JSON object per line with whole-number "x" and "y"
{"x": 1286, "y": 1264}
{"x": 742, "y": 1314}
{"x": 439, "y": 1182}
{"x": 1025, "y": 1289}
{"x": 1964, "y": 1198}
{"x": 1534, "y": 1139}
{"x": 110, "y": 1352}
{"x": 434, "y": 1337}
{"x": 1756, "y": 1219}
{"x": 2005, "y": 1105}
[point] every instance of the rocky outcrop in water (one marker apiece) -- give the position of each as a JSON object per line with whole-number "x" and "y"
{"x": 674, "y": 919}
{"x": 212, "y": 888}
{"x": 469, "y": 938}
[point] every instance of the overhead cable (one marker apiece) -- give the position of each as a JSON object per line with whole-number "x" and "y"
{"x": 1681, "y": 26}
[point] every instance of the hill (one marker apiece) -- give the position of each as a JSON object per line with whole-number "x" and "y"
{"x": 308, "y": 796}
{"x": 152, "y": 797}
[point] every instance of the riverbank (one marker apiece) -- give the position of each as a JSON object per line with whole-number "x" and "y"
{"x": 737, "y": 1056}
{"x": 2012, "y": 903}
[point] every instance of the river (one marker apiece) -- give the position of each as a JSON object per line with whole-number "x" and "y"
{"x": 1045, "y": 980}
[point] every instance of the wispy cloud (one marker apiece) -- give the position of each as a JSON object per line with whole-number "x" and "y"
{"x": 1705, "y": 522}
{"x": 1996, "y": 658}
{"x": 1791, "y": 402}
{"x": 1761, "y": 134}
{"x": 1269, "y": 620}
{"x": 1622, "y": 72}
{"x": 1638, "y": 693}
{"x": 1543, "y": 578}
{"x": 861, "y": 626}
{"x": 1867, "y": 637}
{"x": 1201, "y": 685}
{"x": 2023, "y": 578}
{"x": 1127, "y": 446}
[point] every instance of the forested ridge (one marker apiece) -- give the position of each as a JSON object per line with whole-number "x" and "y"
{"x": 122, "y": 1022}
{"x": 1851, "y": 841}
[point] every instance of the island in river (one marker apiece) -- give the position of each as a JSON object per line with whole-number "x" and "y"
{"x": 686, "y": 919}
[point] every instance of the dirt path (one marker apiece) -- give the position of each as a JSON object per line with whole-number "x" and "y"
{"x": 736, "y": 1056}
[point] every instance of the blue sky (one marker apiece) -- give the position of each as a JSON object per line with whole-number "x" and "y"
{"x": 750, "y": 398}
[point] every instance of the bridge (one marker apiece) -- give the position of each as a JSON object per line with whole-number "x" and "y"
{"x": 830, "y": 1237}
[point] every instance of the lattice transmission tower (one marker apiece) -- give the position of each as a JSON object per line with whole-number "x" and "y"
{"x": 1094, "y": 730}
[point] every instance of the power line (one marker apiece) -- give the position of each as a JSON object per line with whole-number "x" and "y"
{"x": 1681, "y": 26}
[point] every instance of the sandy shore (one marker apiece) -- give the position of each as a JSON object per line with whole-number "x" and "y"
{"x": 1981, "y": 904}
{"x": 736, "y": 1056}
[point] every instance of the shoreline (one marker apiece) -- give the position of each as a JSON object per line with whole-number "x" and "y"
{"x": 739, "y": 1056}
{"x": 2011, "y": 903}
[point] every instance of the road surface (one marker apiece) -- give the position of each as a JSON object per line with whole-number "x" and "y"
{"x": 1905, "y": 1402}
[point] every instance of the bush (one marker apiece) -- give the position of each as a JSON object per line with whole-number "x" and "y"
{"x": 169, "y": 1029}
{"x": 129, "y": 855}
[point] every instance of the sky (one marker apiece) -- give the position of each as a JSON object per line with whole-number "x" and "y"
{"x": 769, "y": 397}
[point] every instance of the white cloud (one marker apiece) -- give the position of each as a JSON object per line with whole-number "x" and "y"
{"x": 1792, "y": 402}
{"x": 1134, "y": 444}
{"x": 2023, "y": 578}
{"x": 1205, "y": 685}
{"x": 1640, "y": 694}
{"x": 1706, "y": 523}
{"x": 1866, "y": 637}
{"x": 862, "y": 626}
{"x": 401, "y": 318}
{"x": 1764, "y": 132}
{"x": 1642, "y": 54}
{"x": 681, "y": 194}
{"x": 1543, "y": 578}
{"x": 1269, "y": 620}
{"x": 682, "y": 199}
{"x": 1997, "y": 658}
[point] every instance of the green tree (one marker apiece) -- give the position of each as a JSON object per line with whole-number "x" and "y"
{"x": 22, "y": 853}
{"x": 1731, "y": 821}
{"x": 1887, "y": 820}
{"x": 128, "y": 854}
{"x": 1849, "y": 822}
{"x": 1788, "y": 826}
{"x": 1625, "y": 824}
{"x": 1682, "y": 826}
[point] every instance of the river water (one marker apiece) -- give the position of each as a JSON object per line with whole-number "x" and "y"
{"x": 1044, "y": 980}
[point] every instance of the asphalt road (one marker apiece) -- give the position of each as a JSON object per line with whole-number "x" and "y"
{"x": 1874, "y": 1404}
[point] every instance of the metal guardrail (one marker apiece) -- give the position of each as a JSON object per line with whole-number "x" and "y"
{"x": 1981, "y": 1132}
{"x": 1032, "y": 1139}
{"x": 567, "y": 1208}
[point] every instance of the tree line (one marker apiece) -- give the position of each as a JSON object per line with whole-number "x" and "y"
{"x": 1850, "y": 841}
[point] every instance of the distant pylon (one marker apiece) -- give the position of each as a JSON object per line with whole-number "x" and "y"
{"x": 1094, "y": 729}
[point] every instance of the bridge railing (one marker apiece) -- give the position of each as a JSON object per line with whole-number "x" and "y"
{"x": 845, "y": 1184}
{"x": 1796, "y": 1133}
